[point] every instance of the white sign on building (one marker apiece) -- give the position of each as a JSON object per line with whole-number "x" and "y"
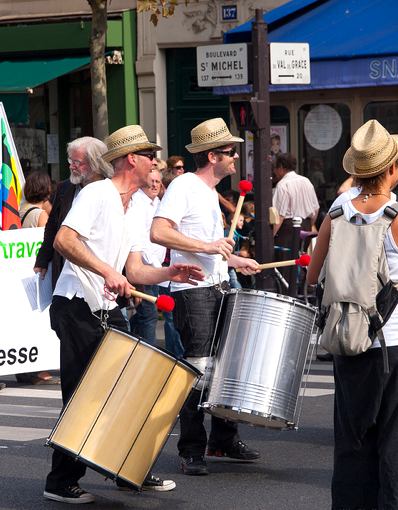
{"x": 222, "y": 64}
{"x": 290, "y": 63}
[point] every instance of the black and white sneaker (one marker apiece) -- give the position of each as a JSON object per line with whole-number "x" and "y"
{"x": 154, "y": 483}
{"x": 73, "y": 494}
{"x": 151, "y": 483}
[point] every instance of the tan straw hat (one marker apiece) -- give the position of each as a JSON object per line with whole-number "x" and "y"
{"x": 125, "y": 140}
{"x": 372, "y": 150}
{"x": 210, "y": 134}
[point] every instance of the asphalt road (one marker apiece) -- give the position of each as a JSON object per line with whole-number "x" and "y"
{"x": 293, "y": 473}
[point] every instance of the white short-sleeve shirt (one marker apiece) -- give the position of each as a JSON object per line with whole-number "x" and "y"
{"x": 97, "y": 215}
{"x": 194, "y": 207}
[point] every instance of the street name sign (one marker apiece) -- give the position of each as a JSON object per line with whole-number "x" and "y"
{"x": 222, "y": 64}
{"x": 290, "y": 63}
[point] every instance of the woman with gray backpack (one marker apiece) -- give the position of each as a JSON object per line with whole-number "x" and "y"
{"x": 356, "y": 260}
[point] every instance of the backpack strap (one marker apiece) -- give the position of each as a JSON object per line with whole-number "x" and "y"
{"x": 336, "y": 212}
{"x": 391, "y": 211}
{"x": 27, "y": 212}
{"x": 377, "y": 325}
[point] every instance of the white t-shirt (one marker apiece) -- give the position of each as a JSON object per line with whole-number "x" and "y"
{"x": 97, "y": 215}
{"x": 390, "y": 330}
{"x": 144, "y": 209}
{"x": 194, "y": 207}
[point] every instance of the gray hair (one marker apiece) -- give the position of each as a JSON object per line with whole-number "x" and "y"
{"x": 94, "y": 149}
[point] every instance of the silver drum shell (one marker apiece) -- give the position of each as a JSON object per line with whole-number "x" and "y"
{"x": 260, "y": 358}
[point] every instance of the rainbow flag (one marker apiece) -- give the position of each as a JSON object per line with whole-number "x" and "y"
{"x": 11, "y": 177}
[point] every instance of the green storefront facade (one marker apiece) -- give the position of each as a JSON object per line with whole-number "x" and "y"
{"x": 45, "y": 84}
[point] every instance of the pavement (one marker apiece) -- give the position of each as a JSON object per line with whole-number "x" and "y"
{"x": 293, "y": 473}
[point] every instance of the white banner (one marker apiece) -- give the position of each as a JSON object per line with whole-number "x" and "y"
{"x": 27, "y": 343}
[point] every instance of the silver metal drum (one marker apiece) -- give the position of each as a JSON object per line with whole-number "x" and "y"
{"x": 260, "y": 359}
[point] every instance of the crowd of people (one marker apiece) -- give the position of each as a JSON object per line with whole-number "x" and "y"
{"x": 127, "y": 219}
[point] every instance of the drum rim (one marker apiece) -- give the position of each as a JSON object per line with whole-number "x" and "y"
{"x": 274, "y": 295}
{"x": 207, "y": 405}
{"x": 179, "y": 361}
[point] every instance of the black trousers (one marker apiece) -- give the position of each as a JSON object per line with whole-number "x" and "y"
{"x": 80, "y": 333}
{"x": 365, "y": 475}
{"x": 195, "y": 317}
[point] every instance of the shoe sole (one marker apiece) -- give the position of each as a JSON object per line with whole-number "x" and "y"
{"x": 195, "y": 473}
{"x": 223, "y": 455}
{"x": 160, "y": 488}
{"x": 89, "y": 498}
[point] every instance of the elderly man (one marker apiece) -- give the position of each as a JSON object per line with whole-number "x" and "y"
{"x": 189, "y": 221}
{"x": 95, "y": 239}
{"x": 86, "y": 165}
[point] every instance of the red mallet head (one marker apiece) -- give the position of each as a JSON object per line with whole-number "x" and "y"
{"x": 245, "y": 187}
{"x": 303, "y": 260}
{"x": 165, "y": 303}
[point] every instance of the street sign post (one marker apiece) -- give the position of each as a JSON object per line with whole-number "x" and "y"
{"x": 290, "y": 63}
{"x": 222, "y": 64}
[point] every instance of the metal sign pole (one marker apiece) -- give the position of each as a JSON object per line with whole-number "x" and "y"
{"x": 262, "y": 146}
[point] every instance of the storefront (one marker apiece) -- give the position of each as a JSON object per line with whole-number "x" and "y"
{"x": 45, "y": 81}
{"x": 354, "y": 67}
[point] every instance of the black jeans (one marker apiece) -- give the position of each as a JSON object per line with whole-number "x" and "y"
{"x": 365, "y": 472}
{"x": 195, "y": 317}
{"x": 80, "y": 333}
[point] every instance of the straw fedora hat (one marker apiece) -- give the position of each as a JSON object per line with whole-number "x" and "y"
{"x": 210, "y": 134}
{"x": 125, "y": 140}
{"x": 372, "y": 150}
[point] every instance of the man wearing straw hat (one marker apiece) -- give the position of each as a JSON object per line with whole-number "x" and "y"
{"x": 96, "y": 239}
{"x": 189, "y": 222}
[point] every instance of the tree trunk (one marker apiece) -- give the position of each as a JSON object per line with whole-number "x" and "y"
{"x": 98, "y": 73}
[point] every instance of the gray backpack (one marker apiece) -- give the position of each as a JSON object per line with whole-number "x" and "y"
{"x": 358, "y": 295}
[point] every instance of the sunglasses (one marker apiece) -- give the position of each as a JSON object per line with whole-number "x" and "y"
{"x": 231, "y": 152}
{"x": 178, "y": 167}
{"x": 150, "y": 155}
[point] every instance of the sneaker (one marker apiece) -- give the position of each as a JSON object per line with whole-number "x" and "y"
{"x": 238, "y": 450}
{"x": 73, "y": 494}
{"x": 195, "y": 465}
{"x": 154, "y": 483}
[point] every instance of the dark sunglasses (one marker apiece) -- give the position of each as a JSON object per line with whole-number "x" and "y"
{"x": 150, "y": 155}
{"x": 231, "y": 152}
{"x": 178, "y": 167}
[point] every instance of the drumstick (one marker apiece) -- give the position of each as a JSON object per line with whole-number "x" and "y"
{"x": 163, "y": 302}
{"x": 245, "y": 187}
{"x": 302, "y": 261}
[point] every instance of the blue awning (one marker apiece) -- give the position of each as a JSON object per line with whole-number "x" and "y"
{"x": 353, "y": 43}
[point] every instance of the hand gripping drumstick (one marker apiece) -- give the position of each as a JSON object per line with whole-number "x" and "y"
{"x": 245, "y": 187}
{"x": 163, "y": 302}
{"x": 302, "y": 261}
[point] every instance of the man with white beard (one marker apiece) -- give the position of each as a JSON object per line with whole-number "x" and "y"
{"x": 86, "y": 165}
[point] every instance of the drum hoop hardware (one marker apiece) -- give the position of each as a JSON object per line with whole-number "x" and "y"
{"x": 306, "y": 373}
{"x": 206, "y": 379}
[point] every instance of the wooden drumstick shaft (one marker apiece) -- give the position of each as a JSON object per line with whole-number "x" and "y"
{"x": 147, "y": 297}
{"x": 236, "y": 216}
{"x": 304, "y": 260}
{"x": 281, "y": 263}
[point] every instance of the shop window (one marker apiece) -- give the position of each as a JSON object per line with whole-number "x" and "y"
{"x": 324, "y": 136}
{"x": 280, "y": 140}
{"x": 386, "y": 112}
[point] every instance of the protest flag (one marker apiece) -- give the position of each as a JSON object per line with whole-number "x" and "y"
{"x": 11, "y": 177}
